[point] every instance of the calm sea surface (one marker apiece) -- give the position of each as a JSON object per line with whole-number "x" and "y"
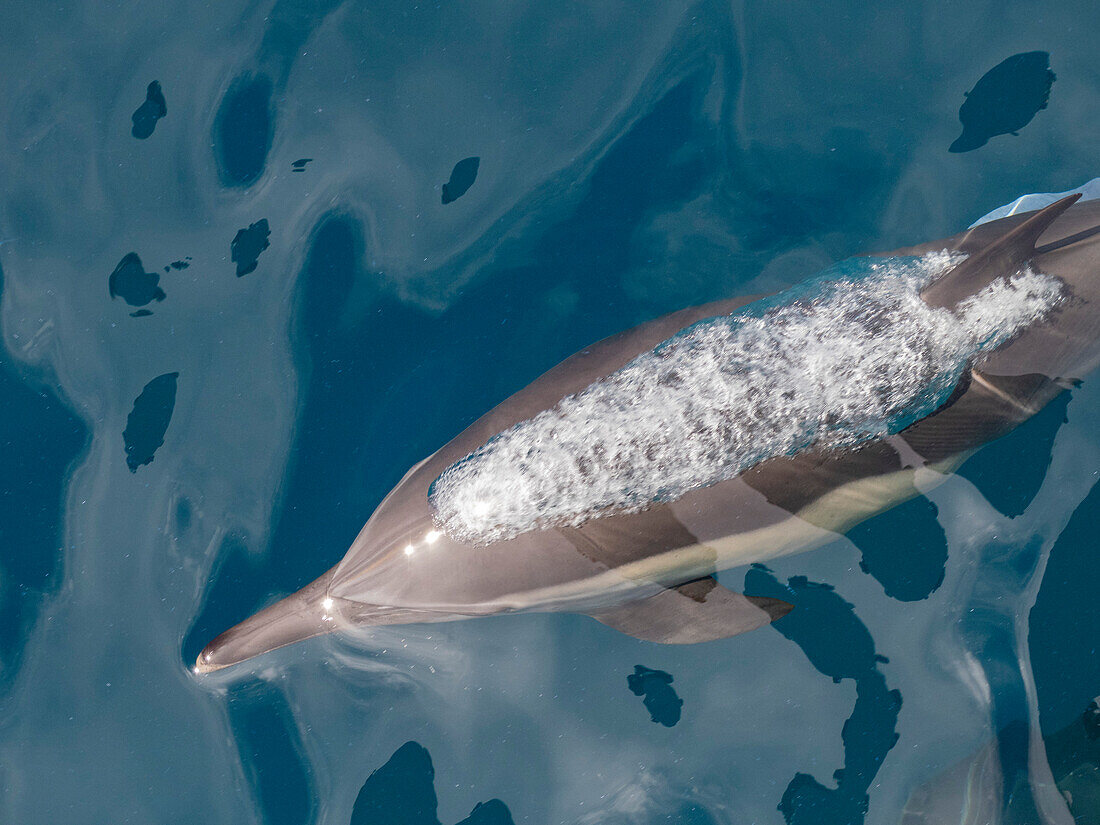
{"x": 260, "y": 258}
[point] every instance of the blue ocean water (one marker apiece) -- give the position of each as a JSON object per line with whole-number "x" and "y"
{"x": 355, "y": 227}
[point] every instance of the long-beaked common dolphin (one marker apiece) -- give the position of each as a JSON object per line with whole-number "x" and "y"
{"x": 618, "y": 483}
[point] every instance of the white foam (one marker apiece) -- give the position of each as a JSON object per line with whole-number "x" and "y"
{"x": 833, "y": 363}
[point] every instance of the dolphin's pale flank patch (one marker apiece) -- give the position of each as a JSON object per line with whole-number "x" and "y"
{"x": 852, "y": 355}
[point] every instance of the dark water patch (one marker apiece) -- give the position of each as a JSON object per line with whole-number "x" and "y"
{"x": 1017, "y": 803}
{"x": 183, "y": 517}
{"x": 661, "y": 701}
{"x": 247, "y": 245}
{"x": 1076, "y": 743}
{"x": 839, "y": 646}
{"x": 141, "y": 313}
{"x": 822, "y": 623}
{"x": 148, "y": 421}
{"x": 1090, "y": 720}
{"x": 402, "y": 792}
{"x": 133, "y": 284}
{"x": 300, "y": 164}
{"x": 271, "y": 753}
{"x": 244, "y": 129}
{"x": 493, "y": 812}
{"x": 905, "y": 549}
{"x": 1005, "y": 99}
{"x": 1010, "y": 470}
{"x": 783, "y": 196}
{"x": 148, "y": 113}
{"x": 288, "y": 25}
{"x": 186, "y": 262}
{"x": 1064, "y": 625}
{"x": 1073, "y": 754}
{"x": 1081, "y": 790}
{"x": 233, "y": 579}
{"x": 462, "y": 178}
{"x": 40, "y": 438}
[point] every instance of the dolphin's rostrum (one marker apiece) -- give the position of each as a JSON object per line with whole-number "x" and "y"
{"x": 718, "y": 436}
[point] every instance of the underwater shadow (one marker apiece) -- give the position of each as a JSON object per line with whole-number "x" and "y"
{"x": 839, "y": 646}
{"x": 402, "y": 792}
{"x": 1004, "y": 100}
{"x": 660, "y": 700}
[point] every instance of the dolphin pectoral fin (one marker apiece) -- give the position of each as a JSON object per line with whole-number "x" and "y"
{"x": 992, "y": 407}
{"x": 699, "y": 611}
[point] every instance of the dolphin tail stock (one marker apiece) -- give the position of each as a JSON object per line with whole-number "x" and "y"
{"x": 700, "y": 610}
{"x": 1004, "y": 256}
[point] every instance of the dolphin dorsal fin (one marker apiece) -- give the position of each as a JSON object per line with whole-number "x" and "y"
{"x": 697, "y": 611}
{"x": 1004, "y": 256}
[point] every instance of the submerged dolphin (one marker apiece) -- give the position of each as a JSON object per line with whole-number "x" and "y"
{"x": 618, "y": 483}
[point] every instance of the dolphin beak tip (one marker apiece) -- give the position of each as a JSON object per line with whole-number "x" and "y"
{"x": 204, "y": 664}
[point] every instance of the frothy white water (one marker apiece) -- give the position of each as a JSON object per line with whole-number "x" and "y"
{"x": 847, "y": 358}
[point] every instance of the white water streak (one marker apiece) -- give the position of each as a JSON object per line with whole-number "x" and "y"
{"x": 855, "y": 359}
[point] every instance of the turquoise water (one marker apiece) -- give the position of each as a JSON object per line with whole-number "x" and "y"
{"x": 331, "y": 315}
